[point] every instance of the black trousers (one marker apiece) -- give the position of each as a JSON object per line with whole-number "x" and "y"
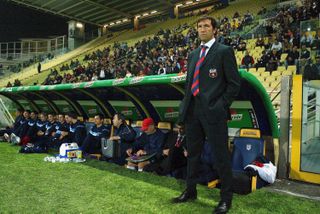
{"x": 198, "y": 129}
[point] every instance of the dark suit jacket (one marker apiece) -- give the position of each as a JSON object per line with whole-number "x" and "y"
{"x": 219, "y": 82}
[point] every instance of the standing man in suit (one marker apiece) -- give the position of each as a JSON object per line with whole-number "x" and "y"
{"x": 212, "y": 84}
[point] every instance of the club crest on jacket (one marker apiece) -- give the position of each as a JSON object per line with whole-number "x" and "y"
{"x": 213, "y": 73}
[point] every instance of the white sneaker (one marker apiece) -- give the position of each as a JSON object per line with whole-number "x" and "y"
{"x": 6, "y": 137}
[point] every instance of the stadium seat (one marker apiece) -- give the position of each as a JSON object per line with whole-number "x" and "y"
{"x": 247, "y": 147}
{"x": 107, "y": 121}
{"x": 164, "y": 126}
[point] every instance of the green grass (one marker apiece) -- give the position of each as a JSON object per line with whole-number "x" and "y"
{"x": 30, "y": 185}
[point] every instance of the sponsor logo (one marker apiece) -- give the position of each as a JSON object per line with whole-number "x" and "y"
{"x": 236, "y": 117}
{"x": 88, "y": 84}
{"x": 92, "y": 111}
{"x": 76, "y": 85}
{"x": 127, "y": 112}
{"x": 118, "y": 81}
{"x": 174, "y": 114}
{"x": 136, "y": 80}
{"x": 178, "y": 78}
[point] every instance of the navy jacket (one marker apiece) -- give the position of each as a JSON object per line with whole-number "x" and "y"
{"x": 152, "y": 143}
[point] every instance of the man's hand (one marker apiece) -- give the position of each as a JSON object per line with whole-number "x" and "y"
{"x": 141, "y": 152}
{"x": 165, "y": 152}
{"x": 40, "y": 133}
{"x": 185, "y": 153}
{"x": 129, "y": 152}
{"x": 114, "y": 138}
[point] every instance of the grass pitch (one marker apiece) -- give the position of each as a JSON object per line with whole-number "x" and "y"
{"x": 30, "y": 185}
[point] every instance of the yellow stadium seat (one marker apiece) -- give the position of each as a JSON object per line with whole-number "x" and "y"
{"x": 283, "y": 57}
{"x": 261, "y": 69}
{"x": 287, "y": 73}
{"x": 292, "y": 68}
{"x": 138, "y": 123}
{"x": 270, "y": 79}
{"x": 164, "y": 125}
{"x": 276, "y": 74}
{"x": 107, "y": 121}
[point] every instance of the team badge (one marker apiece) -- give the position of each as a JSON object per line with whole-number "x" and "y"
{"x": 213, "y": 73}
{"x": 248, "y": 147}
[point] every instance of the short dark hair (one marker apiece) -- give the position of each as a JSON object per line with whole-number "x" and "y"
{"x": 213, "y": 21}
{"x": 121, "y": 117}
{"x": 72, "y": 115}
{"x": 101, "y": 116}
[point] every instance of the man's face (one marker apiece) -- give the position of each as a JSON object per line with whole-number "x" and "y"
{"x": 33, "y": 116}
{"x": 150, "y": 129}
{"x": 61, "y": 118}
{"x": 43, "y": 117}
{"x": 205, "y": 30}
{"x": 68, "y": 119}
{"x": 26, "y": 114}
{"x": 97, "y": 120}
{"x": 180, "y": 129}
{"x": 116, "y": 122}
{"x": 50, "y": 118}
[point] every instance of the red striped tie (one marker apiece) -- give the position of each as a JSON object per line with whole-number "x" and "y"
{"x": 195, "y": 83}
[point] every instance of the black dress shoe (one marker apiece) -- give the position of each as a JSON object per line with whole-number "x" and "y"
{"x": 185, "y": 196}
{"x": 223, "y": 207}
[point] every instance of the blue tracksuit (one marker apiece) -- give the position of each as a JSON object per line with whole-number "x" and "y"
{"x": 92, "y": 143}
{"x": 127, "y": 136}
{"x": 77, "y": 133}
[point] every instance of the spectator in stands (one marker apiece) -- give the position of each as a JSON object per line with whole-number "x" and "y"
{"x": 39, "y": 67}
{"x": 173, "y": 156}
{"x": 312, "y": 71}
{"x": 123, "y": 133}
{"x": 260, "y": 41}
{"x": 162, "y": 69}
{"x": 306, "y": 39}
{"x": 292, "y": 57}
{"x": 316, "y": 43}
{"x": 77, "y": 130}
{"x": 274, "y": 61}
{"x": 9, "y": 84}
{"x": 92, "y": 143}
{"x": 247, "y": 61}
{"x": 304, "y": 58}
{"x": 277, "y": 45}
{"x": 149, "y": 143}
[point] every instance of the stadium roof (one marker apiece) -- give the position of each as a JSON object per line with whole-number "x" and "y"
{"x": 98, "y": 12}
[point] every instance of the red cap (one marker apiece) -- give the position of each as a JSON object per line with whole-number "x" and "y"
{"x": 146, "y": 123}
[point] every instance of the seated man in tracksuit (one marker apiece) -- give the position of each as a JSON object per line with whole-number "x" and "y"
{"x": 77, "y": 130}
{"x": 40, "y": 129}
{"x": 60, "y": 132}
{"x": 22, "y": 128}
{"x": 125, "y": 134}
{"x": 30, "y": 129}
{"x": 16, "y": 124}
{"x": 150, "y": 142}
{"x": 92, "y": 143}
{"x": 45, "y": 129}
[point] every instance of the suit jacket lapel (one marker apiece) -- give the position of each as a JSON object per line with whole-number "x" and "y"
{"x": 210, "y": 53}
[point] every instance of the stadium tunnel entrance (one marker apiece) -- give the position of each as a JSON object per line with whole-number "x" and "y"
{"x": 149, "y": 96}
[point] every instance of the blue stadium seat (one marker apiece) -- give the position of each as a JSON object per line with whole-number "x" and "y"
{"x": 245, "y": 150}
